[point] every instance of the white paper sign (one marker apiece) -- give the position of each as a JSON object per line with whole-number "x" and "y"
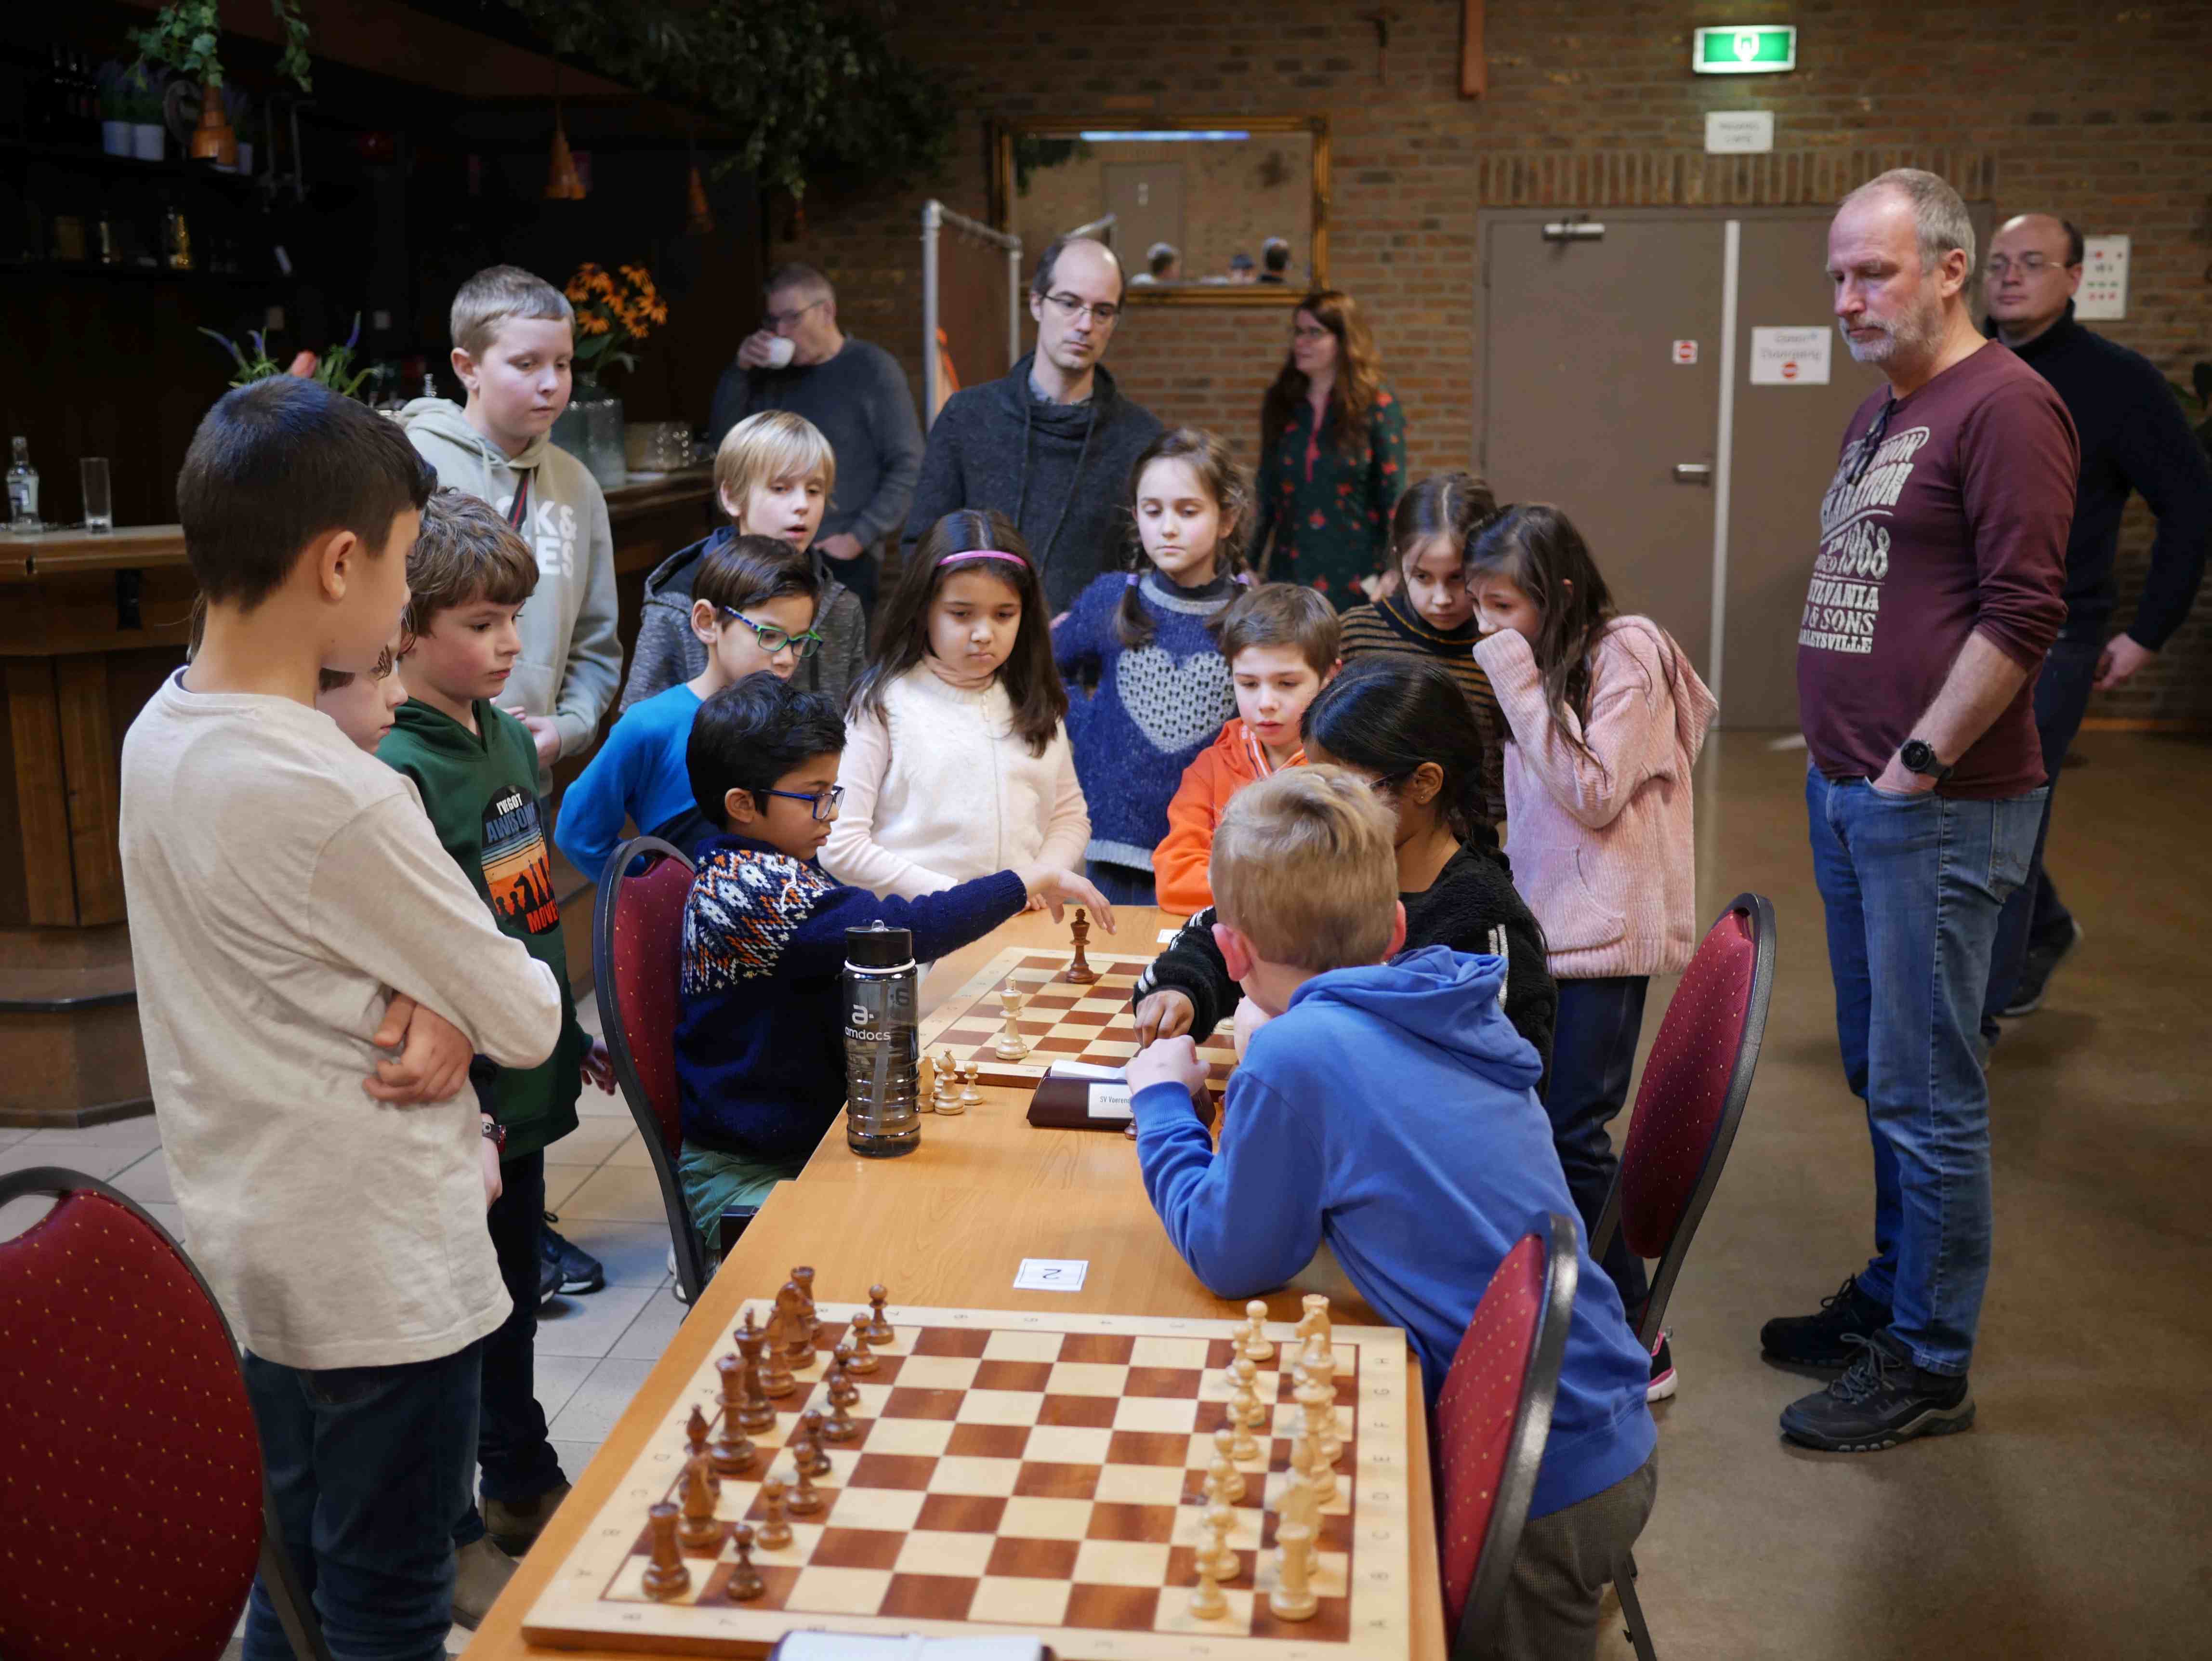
{"x": 1052, "y": 1274}
{"x": 1791, "y": 358}
{"x": 1739, "y": 132}
{"x": 2104, "y": 291}
{"x": 1684, "y": 351}
{"x": 1110, "y": 1101}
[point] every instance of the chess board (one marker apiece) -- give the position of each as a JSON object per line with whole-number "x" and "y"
{"x": 1026, "y": 1472}
{"x": 1061, "y": 1023}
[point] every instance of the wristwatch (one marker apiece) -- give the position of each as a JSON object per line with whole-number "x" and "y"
{"x": 495, "y": 1133}
{"x": 1919, "y": 756}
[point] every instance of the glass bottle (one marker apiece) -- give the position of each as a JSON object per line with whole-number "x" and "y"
{"x": 23, "y": 490}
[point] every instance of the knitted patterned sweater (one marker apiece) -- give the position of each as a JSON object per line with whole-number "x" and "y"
{"x": 1153, "y": 708}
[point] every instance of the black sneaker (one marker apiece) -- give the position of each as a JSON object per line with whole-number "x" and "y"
{"x": 1882, "y": 1399}
{"x": 2035, "y": 972}
{"x": 1825, "y": 1340}
{"x": 579, "y": 1271}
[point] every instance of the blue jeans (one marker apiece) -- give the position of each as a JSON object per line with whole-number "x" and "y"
{"x": 1593, "y": 1053}
{"x": 519, "y": 1462}
{"x": 2033, "y": 916}
{"x": 1122, "y": 884}
{"x": 367, "y": 1468}
{"x": 1911, "y": 886}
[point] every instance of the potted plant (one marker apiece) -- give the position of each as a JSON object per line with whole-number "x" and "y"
{"x": 187, "y": 36}
{"x": 612, "y": 313}
{"x": 333, "y": 367}
{"x": 142, "y": 109}
{"x": 114, "y": 112}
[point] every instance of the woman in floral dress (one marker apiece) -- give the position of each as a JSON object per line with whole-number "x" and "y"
{"x": 1332, "y": 456}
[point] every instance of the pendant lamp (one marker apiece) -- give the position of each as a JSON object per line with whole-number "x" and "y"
{"x": 562, "y": 182}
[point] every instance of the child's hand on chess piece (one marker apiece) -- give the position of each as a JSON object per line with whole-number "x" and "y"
{"x": 433, "y": 1063}
{"x": 1170, "y": 1061}
{"x": 599, "y": 1067}
{"x": 1166, "y": 1013}
{"x": 1054, "y": 887}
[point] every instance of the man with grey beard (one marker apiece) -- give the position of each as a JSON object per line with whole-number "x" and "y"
{"x": 1935, "y": 593}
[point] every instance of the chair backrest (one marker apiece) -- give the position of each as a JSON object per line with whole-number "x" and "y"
{"x": 1695, "y": 1084}
{"x": 637, "y": 957}
{"x": 1493, "y": 1416}
{"x": 134, "y": 1514}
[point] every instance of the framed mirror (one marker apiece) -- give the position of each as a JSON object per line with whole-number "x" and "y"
{"x": 1202, "y": 211}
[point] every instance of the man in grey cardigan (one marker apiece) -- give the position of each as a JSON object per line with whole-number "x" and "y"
{"x": 855, "y": 392}
{"x": 1050, "y": 444}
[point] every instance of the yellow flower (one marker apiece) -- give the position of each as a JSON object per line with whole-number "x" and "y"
{"x": 591, "y": 323}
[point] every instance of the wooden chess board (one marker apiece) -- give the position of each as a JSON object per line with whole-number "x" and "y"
{"x": 1026, "y": 1472}
{"x": 1061, "y": 1023}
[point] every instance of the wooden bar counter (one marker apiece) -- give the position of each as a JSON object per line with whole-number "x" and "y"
{"x": 947, "y": 1227}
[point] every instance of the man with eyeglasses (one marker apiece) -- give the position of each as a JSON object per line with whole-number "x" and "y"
{"x": 854, "y": 391}
{"x": 1935, "y": 594}
{"x": 1050, "y": 443}
{"x": 2133, "y": 439}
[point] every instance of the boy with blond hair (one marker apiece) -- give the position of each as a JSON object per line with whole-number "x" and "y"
{"x": 1388, "y": 1109}
{"x": 1281, "y": 641}
{"x": 772, "y": 474}
{"x": 291, "y": 916}
{"x": 513, "y": 347}
{"x": 476, "y": 769}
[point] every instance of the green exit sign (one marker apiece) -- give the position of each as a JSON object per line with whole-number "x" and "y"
{"x": 1744, "y": 49}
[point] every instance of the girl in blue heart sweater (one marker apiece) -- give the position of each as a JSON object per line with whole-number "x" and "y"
{"x": 1148, "y": 689}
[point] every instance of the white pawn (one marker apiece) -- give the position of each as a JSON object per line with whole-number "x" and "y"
{"x": 1223, "y": 1472}
{"x": 1206, "y": 1602}
{"x": 1255, "y": 1347}
{"x": 1317, "y": 1413}
{"x": 1245, "y": 1408}
{"x": 1306, "y": 1455}
{"x": 1219, "y": 1519}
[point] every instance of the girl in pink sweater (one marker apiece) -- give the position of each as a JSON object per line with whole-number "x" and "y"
{"x": 1606, "y": 717}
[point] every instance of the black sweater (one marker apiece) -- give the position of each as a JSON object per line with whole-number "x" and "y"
{"x": 2133, "y": 437}
{"x": 1472, "y": 906}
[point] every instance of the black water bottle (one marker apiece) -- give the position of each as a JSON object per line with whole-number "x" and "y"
{"x": 882, "y": 1057}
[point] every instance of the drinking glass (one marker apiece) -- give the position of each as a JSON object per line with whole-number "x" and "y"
{"x": 98, "y": 504}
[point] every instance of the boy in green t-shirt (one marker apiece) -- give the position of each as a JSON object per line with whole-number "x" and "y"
{"x": 476, "y": 768}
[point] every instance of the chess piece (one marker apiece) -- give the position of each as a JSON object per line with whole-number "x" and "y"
{"x": 1011, "y": 1046}
{"x": 862, "y": 1362}
{"x": 1293, "y": 1598}
{"x": 803, "y": 1277}
{"x": 774, "y": 1533}
{"x": 838, "y": 1381}
{"x": 699, "y": 1532}
{"x": 1232, "y": 1485}
{"x": 1245, "y": 1408}
{"x": 948, "y": 1080}
{"x": 1079, "y": 972}
{"x": 695, "y": 1439}
{"x": 1306, "y": 1456}
{"x": 969, "y": 1095}
{"x": 1217, "y": 1519}
{"x": 1317, "y": 1413}
{"x": 926, "y": 1083}
{"x": 1254, "y": 1346}
{"x": 731, "y": 1454}
{"x": 1315, "y": 1318}
{"x": 954, "y": 1102}
{"x": 806, "y": 1499}
{"x": 842, "y": 1427}
{"x": 1206, "y": 1602}
{"x": 1243, "y": 1446}
{"x": 775, "y": 1379}
{"x": 756, "y": 1413}
{"x": 665, "y": 1576}
{"x": 798, "y": 1327}
{"x": 745, "y": 1583}
{"x": 806, "y": 1448}
{"x": 1300, "y": 1509}
{"x": 879, "y": 1330}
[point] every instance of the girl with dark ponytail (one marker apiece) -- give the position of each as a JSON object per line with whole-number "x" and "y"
{"x": 1403, "y": 725}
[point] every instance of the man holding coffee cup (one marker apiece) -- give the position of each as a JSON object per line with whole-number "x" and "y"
{"x": 799, "y": 360}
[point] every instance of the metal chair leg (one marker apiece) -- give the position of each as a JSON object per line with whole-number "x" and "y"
{"x": 1624, "y": 1584}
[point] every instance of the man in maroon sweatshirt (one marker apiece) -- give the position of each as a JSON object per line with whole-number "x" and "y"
{"x": 1935, "y": 593}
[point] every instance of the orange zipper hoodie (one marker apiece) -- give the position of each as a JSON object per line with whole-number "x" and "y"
{"x": 1223, "y": 768}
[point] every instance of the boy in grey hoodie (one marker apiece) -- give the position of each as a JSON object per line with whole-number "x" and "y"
{"x": 513, "y": 340}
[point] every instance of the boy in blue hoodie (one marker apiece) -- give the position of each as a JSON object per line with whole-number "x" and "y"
{"x": 1388, "y": 1109}
{"x": 760, "y": 1043}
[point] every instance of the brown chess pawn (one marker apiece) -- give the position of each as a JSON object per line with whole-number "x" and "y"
{"x": 665, "y": 1576}
{"x": 774, "y": 1533}
{"x": 806, "y": 1499}
{"x": 699, "y": 1532}
{"x": 1078, "y": 971}
{"x": 863, "y": 1361}
{"x": 806, "y": 1448}
{"x": 842, "y": 1389}
{"x": 842, "y": 1427}
{"x": 695, "y": 1439}
{"x": 745, "y": 1583}
{"x": 879, "y": 1330}
{"x": 731, "y": 1454}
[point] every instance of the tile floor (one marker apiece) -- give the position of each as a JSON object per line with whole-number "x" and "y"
{"x": 593, "y": 1351}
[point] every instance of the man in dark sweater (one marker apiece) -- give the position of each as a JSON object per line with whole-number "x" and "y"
{"x": 2133, "y": 438}
{"x": 1050, "y": 443}
{"x": 854, "y": 391}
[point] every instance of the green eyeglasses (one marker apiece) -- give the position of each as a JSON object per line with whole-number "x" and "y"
{"x": 773, "y": 639}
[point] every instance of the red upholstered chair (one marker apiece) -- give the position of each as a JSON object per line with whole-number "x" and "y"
{"x": 1492, "y": 1417}
{"x": 1692, "y": 1098}
{"x": 637, "y": 955}
{"x": 132, "y": 1509}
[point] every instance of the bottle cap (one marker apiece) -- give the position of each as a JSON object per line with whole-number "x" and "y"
{"x": 878, "y": 947}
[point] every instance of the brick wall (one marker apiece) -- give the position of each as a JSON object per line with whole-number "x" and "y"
{"x": 2105, "y": 116}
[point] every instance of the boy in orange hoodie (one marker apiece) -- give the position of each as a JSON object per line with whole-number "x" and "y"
{"x": 1280, "y": 640}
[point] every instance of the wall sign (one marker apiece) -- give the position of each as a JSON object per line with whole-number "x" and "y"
{"x": 1686, "y": 351}
{"x": 1744, "y": 49}
{"x": 1790, "y": 358}
{"x": 2104, "y": 290}
{"x": 1739, "y": 132}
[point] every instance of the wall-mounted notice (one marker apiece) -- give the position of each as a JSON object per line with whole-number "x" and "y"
{"x": 1739, "y": 132}
{"x": 1790, "y": 358}
{"x": 2104, "y": 290}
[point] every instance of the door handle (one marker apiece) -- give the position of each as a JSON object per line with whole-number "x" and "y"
{"x": 1693, "y": 472}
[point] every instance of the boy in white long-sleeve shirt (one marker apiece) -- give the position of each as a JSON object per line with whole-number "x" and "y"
{"x": 292, "y": 915}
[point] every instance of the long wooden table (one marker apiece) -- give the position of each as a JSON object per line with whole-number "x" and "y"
{"x": 948, "y": 1226}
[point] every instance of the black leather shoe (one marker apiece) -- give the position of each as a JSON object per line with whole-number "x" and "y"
{"x": 1825, "y": 1340}
{"x": 1882, "y": 1399}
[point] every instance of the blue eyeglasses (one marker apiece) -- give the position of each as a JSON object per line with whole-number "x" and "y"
{"x": 822, "y": 806}
{"x": 773, "y": 639}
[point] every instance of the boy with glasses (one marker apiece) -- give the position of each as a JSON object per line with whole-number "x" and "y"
{"x": 760, "y": 1033}
{"x": 752, "y": 609}
{"x": 1051, "y": 443}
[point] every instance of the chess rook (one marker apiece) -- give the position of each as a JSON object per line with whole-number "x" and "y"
{"x": 665, "y": 1576}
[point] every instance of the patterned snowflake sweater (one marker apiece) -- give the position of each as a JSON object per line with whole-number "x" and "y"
{"x": 1151, "y": 708}
{"x": 759, "y": 1030}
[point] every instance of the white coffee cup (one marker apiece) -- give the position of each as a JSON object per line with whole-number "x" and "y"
{"x": 780, "y": 351}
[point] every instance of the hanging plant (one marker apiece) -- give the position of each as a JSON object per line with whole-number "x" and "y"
{"x": 186, "y": 35}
